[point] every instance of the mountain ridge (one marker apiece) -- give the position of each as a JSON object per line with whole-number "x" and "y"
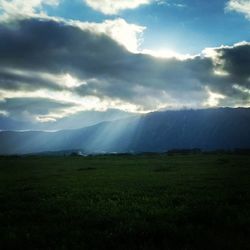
{"x": 206, "y": 129}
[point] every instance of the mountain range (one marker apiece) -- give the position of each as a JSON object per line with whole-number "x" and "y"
{"x": 206, "y": 129}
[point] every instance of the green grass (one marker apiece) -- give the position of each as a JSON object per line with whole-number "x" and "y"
{"x": 125, "y": 202}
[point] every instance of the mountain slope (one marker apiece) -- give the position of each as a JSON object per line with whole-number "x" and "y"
{"x": 74, "y": 121}
{"x": 208, "y": 129}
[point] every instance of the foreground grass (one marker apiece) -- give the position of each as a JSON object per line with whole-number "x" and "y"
{"x": 124, "y": 202}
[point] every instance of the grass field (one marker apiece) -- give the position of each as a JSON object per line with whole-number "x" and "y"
{"x": 179, "y": 202}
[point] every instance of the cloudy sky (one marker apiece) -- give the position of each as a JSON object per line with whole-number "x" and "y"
{"x": 68, "y": 59}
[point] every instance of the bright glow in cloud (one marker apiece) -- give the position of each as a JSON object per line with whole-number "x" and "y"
{"x": 126, "y": 34}
{"x": 164, "y": 53}
{"x": 82, "y": 70}
{"x": 86, "y": 104}
{"x": 67, "y": 80}
{"x": 242, "y": 89}
{"x": 241, "y": 6}
{"x": 78, "y": 103}
{"x": 216, "y": 55}
{"x": 70, "y": 81}
{"x": 64, "y": 80}
{"x": 217, "y": 62}
{"x": 3, "y": 113}
{"x": 111, "y": 7}
{"x": 213, "y": 98}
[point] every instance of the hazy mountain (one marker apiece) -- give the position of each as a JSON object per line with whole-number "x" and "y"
{"x": 209, "y": 129}
{"x": 74, "y": 121}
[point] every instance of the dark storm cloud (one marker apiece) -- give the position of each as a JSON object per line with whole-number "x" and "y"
{"x": 14, "y": 80}
{"x": 109, "y": 70}
{"x": 32, "y": 106}
{"x": 55, "y": 47}
{"x": 236, "y": 61}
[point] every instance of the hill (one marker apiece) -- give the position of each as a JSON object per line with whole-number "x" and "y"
{"x": 207, "y": 129}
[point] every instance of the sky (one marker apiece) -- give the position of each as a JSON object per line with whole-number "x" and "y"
{"x": 72, "y": 61}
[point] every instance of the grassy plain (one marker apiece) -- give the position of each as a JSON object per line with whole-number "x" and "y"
{"x": 179, "y": 202}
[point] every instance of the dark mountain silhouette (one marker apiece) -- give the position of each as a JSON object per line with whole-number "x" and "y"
{"x": 208, "y": 129}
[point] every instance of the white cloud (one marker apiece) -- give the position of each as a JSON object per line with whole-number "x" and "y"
{"x": 127, "y": 34}
{"x": 22, "y": 8}
{"x": 78, "y": 103}
{"x": 111, "y": 7}
{"x": 98, "y": 74}
{"x": 241, "y": 6}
